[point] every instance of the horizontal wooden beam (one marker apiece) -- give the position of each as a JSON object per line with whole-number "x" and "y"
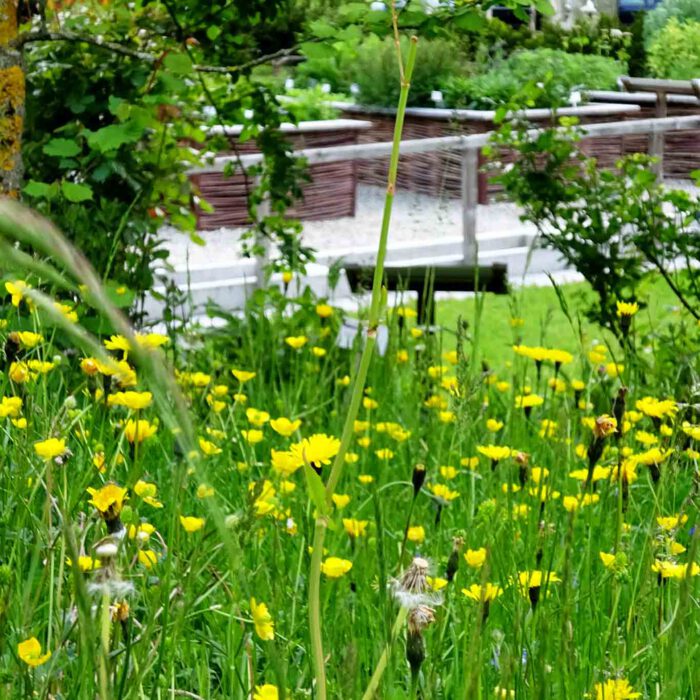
{"x": 488, "y": 115}
{"x": 363, "y": 151}
{"x": 657, "y": 85}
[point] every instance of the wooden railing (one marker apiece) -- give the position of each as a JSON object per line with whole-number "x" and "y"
{"x": 469, "y": 146}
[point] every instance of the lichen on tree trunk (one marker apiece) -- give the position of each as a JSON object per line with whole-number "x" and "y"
{"x": 12, "y": 94}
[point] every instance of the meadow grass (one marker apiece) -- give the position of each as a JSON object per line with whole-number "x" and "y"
{"x": 544, "y": 320}
{"x": 593, "y": 581}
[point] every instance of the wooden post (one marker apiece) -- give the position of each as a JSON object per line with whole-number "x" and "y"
{"x": 470, "y": 195}
{"x": 656, "y": 138}
{"x": 261, "y": 259}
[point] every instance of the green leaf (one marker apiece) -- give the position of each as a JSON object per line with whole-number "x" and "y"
{"x": 322, "y": 29}
{"x": 40, "y": 190}
{"x": 63, "y": 148}
{"x": 75, "y": 192}
{"x": 317, "y": 492}
{"x": 544, "y": 7}
{"x": 112, "y": 137}
{"x": 469, "y": 21}
{"x": 317, "y": 50}
{"x": 213, "y": 32}
{"x": 178, "y": 63}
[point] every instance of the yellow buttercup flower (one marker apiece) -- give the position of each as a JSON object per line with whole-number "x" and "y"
{"x": 148, "y": 558}
{"x": 324, "y": 310}
{"x": 256, "y": 417}
{"x": 671, "y": 522}
{"x": 416, "y": 533}
{"x": 436, "y": 582}
{"x": 29, "y": 651}
{"x": 252, "y": 436}
{"x": 475, "y": 557}
{"x": 19, "y": 372}
{"x": 90, "y": 366}
{"x": 204, "y": 491}
{"x": 17, "y": 290}
{"x": 242, "y": 375}
{"x": 264, "y": 626}
{"x": 267, "y": 691}
{"x": 284, "y": 463}
{"x": 191, "y": 523}
{"x": 334, "y": 567}
{"x": 50, "y": 449}
{"x": 40, "y": 366}
{"x": 340, "y": 500}
{"x": 27, "y": 339}
{"x": 469, "y": 462}
{"x": 67, "y": 311}
{"x": 134, "y": 400}
{"x": 284, "y": 426}
{"x": 136, "y": 431}
{"x": 296, "y": 341}
{"x": 10, "y": 406}
{"x": 208, "y": 447}
{"x": 355, "y": 528}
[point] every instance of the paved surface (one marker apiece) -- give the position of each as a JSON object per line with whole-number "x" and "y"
{"x": 415, "y": 218}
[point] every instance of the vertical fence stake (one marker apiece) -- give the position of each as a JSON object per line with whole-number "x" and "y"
{"x": 470, "y": 195}
{"x": 262, "y": 259}
{"x": 657, "y": 138}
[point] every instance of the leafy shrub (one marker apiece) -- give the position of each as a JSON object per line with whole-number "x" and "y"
{"x": 560, "y": 70}
{"x": 659, "y": 17}
{"x": 612, "y": 226}
{"x": 675, "y": 51}
{"x": 376, "y": 68}
{"x": 311, "y": 103}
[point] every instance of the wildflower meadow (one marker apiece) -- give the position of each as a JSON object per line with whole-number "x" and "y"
{"x": 300, "y": 498}
{"x": 524, "y": 530}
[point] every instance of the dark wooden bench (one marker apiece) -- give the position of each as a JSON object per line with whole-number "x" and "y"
{"x": 426, "y": 280}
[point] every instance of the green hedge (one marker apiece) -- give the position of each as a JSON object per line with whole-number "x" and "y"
{"x": 675, "y": 51}
{"x": 559, "y": 71}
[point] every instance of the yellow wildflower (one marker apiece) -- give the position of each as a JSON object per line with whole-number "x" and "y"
{"x": 29, "y": 650}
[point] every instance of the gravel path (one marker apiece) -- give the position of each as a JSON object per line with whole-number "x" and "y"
{"x": 415, "y": 218}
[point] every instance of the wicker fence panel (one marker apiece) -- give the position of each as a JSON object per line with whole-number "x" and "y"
{"x": 330, "y": 193}
{"x": 438, "y": 173}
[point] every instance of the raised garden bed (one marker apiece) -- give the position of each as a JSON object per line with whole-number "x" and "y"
{"x": 330, "y": 193}
{"x": 438, "y": 173}
{"x": 681, "y": 148}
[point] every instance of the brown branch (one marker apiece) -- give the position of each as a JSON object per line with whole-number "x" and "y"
{"x": 122, "y": 49}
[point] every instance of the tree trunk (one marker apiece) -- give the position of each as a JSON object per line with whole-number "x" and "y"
{"x": 12, "y": 94}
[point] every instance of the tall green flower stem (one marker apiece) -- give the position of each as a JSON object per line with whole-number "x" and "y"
{"x": 375, "y": 308}
{"x": 384, "y": 659}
